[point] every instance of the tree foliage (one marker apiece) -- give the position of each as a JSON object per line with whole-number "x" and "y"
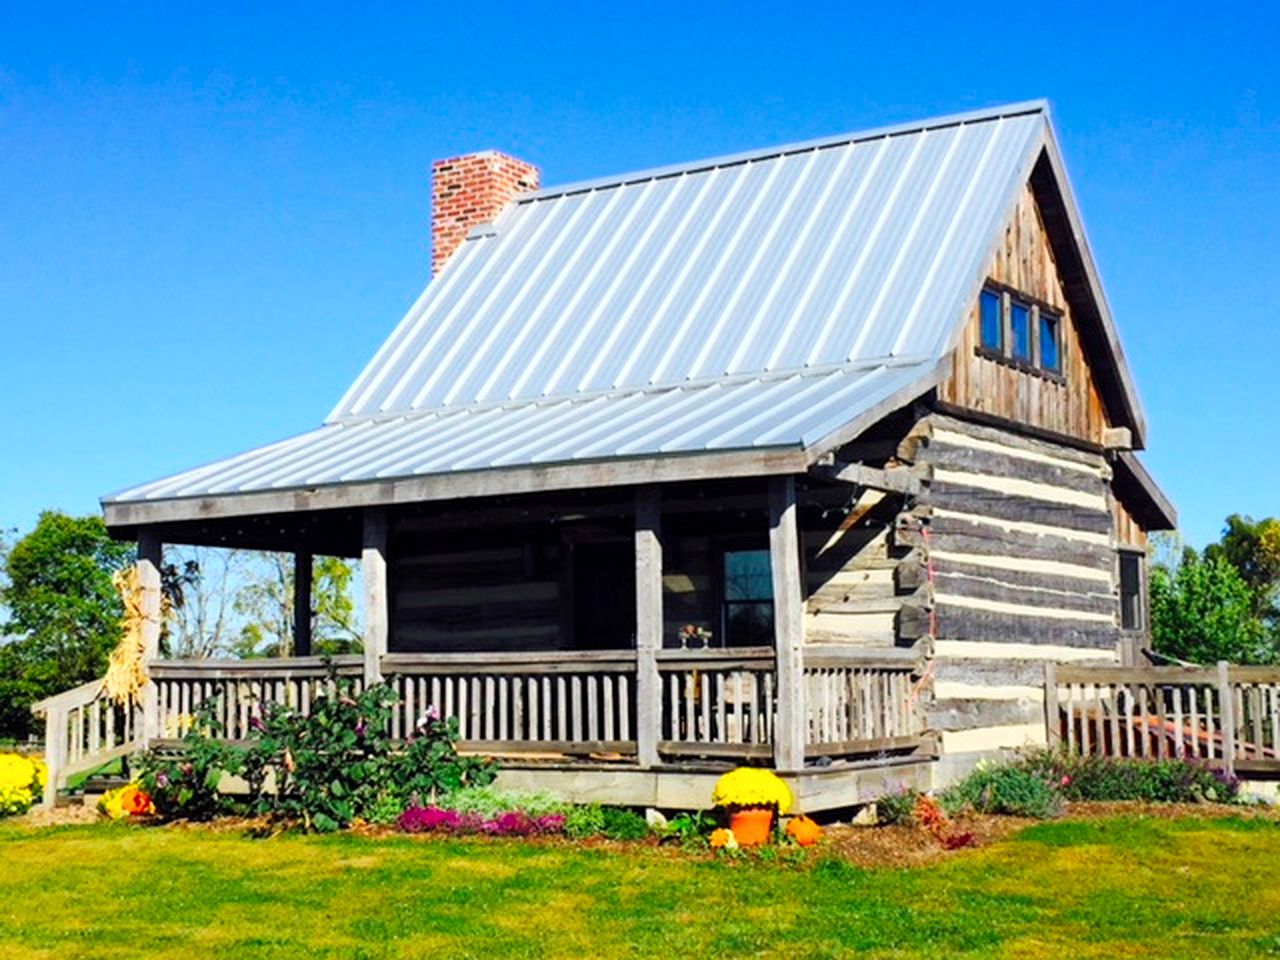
{"x": 1220, "y": 604}
{"x": 63, "y": 614}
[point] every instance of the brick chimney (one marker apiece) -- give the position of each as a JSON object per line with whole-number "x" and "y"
{"x": 470, "y": 190}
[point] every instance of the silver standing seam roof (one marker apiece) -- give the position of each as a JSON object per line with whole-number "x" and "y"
{"x": 760, "y": 301}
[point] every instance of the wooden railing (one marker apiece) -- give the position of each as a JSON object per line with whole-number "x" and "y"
{"x": 861, "y": 702}
{"x": 1227, "y": 716}
{"x": 85, "y": 729}
{"x": 510, "y": 703}
{"x": 239, "y": 689}
{"x": 717, "y": 702}
{"x": 709, "y": 704}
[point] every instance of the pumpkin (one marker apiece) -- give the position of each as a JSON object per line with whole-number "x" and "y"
{"x": 723, "y": 838}
{"x": 804, "y": 831}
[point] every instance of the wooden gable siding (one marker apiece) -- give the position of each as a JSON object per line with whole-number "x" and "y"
{"x": 1129, "y": 532}
{"x": 1025, "y": 263}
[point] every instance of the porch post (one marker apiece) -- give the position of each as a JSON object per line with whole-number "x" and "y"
{"x": 373, "y": 563}
{"x": 789, "y": 732}
{"x": 648, "y": 547}
{"x": 302, "y": 604}
{"x": 150, "y": 559}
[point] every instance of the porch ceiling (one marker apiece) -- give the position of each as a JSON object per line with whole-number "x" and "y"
{"x": 757, "y": 425}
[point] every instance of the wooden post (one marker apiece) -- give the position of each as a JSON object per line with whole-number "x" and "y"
{"x": 302, "y": 604}
{"x": 373, "y": 563}
{"x": 150, "y": 559}
{"x": 55, "y": 731}
{"x": 790, "y": 730}
{"x": 1052, "y": 721}
{"x": 1227, "y": 706}
{"x": 648, "y": 546}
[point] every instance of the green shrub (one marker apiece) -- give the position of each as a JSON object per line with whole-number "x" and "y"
{"x": 688, "y": 829}
{"x": 897, "y": 808}
{"x": 1005, "y": 789}
{"x": 623, "y": 824}
{"x": 584, "y": 820}
{"x": 183, "y": 783}
{"x": 325, "y": 769}
{"x": 488, "y": 801}
{"x": 1107, "y": 779}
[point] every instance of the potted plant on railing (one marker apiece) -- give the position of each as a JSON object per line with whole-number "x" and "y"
{"x": 752, "y": 798}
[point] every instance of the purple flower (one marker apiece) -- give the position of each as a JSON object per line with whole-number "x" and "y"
{"x": 255, "y": 722}
{"x": 360, "y": 728}
{"x": 432, "y": 715}
{"x": 162, "y": 780}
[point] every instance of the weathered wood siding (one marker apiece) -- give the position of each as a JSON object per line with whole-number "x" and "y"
{"x": 1018, "y": 535}
{"x": 460, "y": 593}
{"x": 1129, "y": 532}
{"x": 853, "y": 589}
{"x": 1072, "y": 408}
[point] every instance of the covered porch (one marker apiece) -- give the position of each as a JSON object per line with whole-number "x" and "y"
{"x": 625, "y": 644}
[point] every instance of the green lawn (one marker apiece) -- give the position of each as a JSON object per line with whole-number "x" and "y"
{"x": 1125, "y": 887}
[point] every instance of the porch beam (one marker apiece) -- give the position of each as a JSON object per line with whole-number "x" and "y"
{"x": 373, "y": 564}
{"x": 648, "y": 548}
{"x": 150, "y": 560}
{"x": 788, "y": 624}
{"x": 302, "y": 577}
{"x": 906, "y": 480}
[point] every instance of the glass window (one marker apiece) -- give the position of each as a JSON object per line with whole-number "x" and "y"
{"x": 992, "y": 322}
{"x": 748, "y": 598}
{"x": 1131, "y": 599}
{"x": 1020, "y": 327}
{"x": 1050, "y": 342}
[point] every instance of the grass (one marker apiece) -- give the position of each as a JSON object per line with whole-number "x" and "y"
{"x": 1117, "y": 888}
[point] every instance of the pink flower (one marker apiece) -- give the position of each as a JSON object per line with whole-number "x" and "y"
{"x": 1065, "y": 782}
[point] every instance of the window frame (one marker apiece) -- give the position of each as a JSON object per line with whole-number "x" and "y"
{"x": 723, "y": 548}
{"x": 1035, "y": 310}
{"x": 1142, "y": 606}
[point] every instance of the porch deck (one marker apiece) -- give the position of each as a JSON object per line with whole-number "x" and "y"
{"x": 566, "y": 722}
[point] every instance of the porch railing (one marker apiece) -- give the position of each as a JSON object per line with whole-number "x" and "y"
{"x": 712, "y": 703}
{"x": 85, "y": 729}
{"x": 240, "y": 688}
{"x": 861, "y": 702}
{"x": 1227, "y": 715}
{"x": 573, "y": 703}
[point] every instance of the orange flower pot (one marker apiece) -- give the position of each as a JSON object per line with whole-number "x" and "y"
{"x": 751, "y": 825}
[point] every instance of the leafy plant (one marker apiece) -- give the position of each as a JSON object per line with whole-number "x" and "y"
{"x": 1009, "y": 789}
{"x": 623, "y": 824}
{"x": 489, "y": 802}
{"x": 897, "y": 808}
{"x": 688, "y": 829}
{"x": 584, "y": 820}
{"x": 184, "y": 782}
{"x": 1119, "y": 778}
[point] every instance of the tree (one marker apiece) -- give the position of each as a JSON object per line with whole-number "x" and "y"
{"x": 265, "y": 605}
{"x": 63, "y": 614}
{"x": 205, "y": 582}
{"x": 1253, "y": 548}
{"x": 1202, "y": 610}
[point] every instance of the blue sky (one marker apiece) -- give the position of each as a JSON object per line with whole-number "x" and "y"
{"x": 208, "y": 223}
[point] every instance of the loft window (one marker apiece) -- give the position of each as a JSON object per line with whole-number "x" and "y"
{"x": 1020, "y": 330}
{"x": 1132, "y": 599}
{"x": 748, "y": 598}
{"x": 991, "y": 313}
{"x": 1050, "y": 342}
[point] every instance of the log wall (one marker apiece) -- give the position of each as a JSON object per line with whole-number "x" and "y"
{"x": 1020, "y": 546}
{"x": 1071, "y": 405}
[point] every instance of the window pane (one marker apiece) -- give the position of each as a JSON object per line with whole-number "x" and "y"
{"x": 1020, "y": 322}
{"x": 992, "y": 327}
{"x": 748, "y": 624}
{"x": 748, "y": 575}
{"x": 1130, "y": 591}
{"x": 1050, "y": 351}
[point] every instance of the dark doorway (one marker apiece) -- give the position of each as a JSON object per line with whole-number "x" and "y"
{"x": 604, "y": 596}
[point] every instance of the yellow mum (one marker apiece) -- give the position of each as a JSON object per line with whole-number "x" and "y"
{"x": 21, "y": 781}
{"x": 752, "y": 787}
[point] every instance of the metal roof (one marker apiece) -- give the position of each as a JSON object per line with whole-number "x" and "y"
{"x": 760, "y": 300}
{"x": 797, "y": 410}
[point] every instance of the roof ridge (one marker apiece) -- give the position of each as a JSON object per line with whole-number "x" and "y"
{"x": 786, "y": 373}
{"x": 1003, "y": 111}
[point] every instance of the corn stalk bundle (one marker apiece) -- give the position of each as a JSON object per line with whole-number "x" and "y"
{"x": 127, "y": 668}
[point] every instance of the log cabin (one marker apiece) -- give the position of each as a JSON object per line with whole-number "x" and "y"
{"x": 810, "y": 457}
